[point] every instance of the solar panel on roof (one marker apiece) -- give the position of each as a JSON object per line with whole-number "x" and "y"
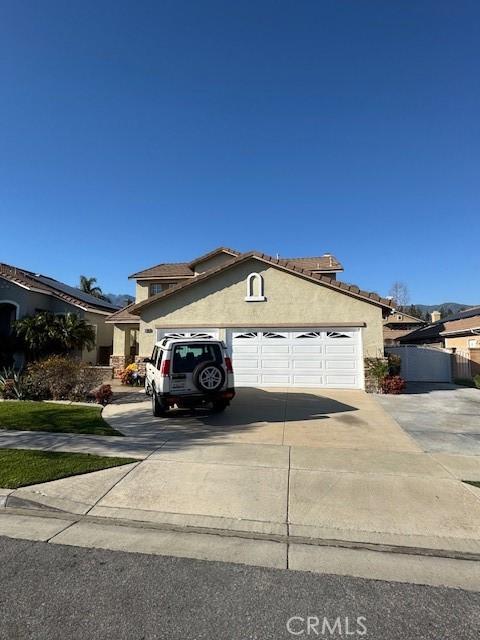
{"x": 76, "y": 293}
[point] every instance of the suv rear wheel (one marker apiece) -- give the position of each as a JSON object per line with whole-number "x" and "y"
{"x": 209, "y": 377}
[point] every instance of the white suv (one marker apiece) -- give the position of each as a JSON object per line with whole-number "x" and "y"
{"x": 189, "y": 372}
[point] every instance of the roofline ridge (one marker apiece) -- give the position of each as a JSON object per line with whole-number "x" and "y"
{"x": 334, "y": 284}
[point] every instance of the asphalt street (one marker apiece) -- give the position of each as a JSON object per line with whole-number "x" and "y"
{"x": 54, "y": 592}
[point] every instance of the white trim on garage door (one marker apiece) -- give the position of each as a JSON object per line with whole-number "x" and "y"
{"x": 329, "y": 358}
{"x": 187, "y": 333}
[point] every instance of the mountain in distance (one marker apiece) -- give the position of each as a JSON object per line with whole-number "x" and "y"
{"x": 120, "y": 299}
{"x": 454, "y": 306}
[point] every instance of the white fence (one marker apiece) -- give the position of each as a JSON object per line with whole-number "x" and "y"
{"x": 424, "y": 364}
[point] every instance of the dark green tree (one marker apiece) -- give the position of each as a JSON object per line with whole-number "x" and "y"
{"x": 47, "y": 334}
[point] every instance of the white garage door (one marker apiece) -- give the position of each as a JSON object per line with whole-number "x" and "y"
{"x": 186, "y": 333}
{"x": 330, "y": 358}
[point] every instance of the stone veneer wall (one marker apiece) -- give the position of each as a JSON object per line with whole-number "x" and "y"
{"x": 118, "y": 363}
{"x": 141, "y": 365}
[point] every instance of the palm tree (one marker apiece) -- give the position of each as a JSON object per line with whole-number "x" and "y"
{"x": 47, "y": 334}
{"x": 87, "y": 286}
{"x": 73, "y": 333}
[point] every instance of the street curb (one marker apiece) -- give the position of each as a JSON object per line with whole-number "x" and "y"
{"x": 27, "y": 508}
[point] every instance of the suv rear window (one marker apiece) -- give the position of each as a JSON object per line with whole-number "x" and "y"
{"x": 187, "y": 356}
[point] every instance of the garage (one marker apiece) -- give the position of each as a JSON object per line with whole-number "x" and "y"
{"x": 286, "y": 323}
{"x": 308, "y": 357}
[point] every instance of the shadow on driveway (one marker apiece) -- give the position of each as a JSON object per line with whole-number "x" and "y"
{"x": 250, "y": 409}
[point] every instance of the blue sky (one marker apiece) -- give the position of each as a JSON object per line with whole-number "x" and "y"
{"x": 133, "y": 133}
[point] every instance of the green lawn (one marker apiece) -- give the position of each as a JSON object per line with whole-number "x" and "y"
{"x": 57, "y": 418}
{"x": 21, "y": 467}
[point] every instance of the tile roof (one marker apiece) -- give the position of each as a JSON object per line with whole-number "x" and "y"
{"x": 436, "y": 330}
{"x": 124, "y": 315}
{"x": 165, "y": 269}
{"x": 233, "y": 252}
{"x": 326, "y": 262}
{"x": 50, "y": 286}
{"x": 463, "y": 325}
{"x": 291, "y": 267}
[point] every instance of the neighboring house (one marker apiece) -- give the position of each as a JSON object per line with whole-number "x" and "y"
{"x": 24, "y": 293}
{"x": 459, "y": 331}
{"x": 399, "y": 324}
{"x": 287, "y": 322}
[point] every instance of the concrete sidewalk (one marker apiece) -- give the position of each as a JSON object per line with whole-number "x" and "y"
{"x": 306, "y": 466}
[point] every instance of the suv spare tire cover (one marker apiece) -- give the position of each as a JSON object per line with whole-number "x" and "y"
{"x": 208, "y": 377}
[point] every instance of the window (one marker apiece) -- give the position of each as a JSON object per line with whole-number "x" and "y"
{"x": 335, "y": 334}
{"x": 158, "y": 287}
{"x": 272, "y": 334}
{"x": 187, "y": 356}
{"x": 255, "y": 289}
{"x": 310, "y": 334}
{"x": 472, "y": 343}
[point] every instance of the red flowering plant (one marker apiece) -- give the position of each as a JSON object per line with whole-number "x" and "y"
{"x": 393, "y": 384}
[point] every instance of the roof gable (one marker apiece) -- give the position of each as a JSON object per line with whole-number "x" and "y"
{"x": 211, "y": 254}
{"x": 351, "y": 290}
{"x": 52, "y": 287}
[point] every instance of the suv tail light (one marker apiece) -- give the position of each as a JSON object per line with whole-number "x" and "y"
{"x": 165, "y": 368}
{"x": 228, "y": 364}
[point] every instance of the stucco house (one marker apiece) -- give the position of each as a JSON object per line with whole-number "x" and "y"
{"x": 399, "y": 324}
{"x": 25, "y": 293}
{"x": 459, "y": 332}
{"x": 287, "y": 322}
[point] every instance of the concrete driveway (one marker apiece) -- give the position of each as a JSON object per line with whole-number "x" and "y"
{"x": 300, "y": 417}
{"x": 304, "y": 463}
{"x": 441, "y": 418}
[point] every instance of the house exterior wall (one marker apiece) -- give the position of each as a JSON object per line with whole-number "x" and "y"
{"x": 213, "y": 262}
{"x": 31, "y": 302}
{"x": 462, "y": 342}
{"x": 104, "y": 333}
{"x": 142, "y": 289}
{"x": 220, "y": 301}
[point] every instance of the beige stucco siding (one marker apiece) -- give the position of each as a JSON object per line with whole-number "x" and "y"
{"x": 220, "y": 300}
{"x": 104, "y": 333}
{"x": 213, "y": 262}
{"x": 463, "y": 342}
{"x": 141, "y": 290}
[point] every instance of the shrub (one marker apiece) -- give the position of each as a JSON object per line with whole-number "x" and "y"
{"x": 59, "y": 378}
{"x": 10, "y": 384}
{"x": 103, "y": 394}
{"x": 394, "y": 364}
{"x": 469, "y": 382}
{"x": 393, "y": 385}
